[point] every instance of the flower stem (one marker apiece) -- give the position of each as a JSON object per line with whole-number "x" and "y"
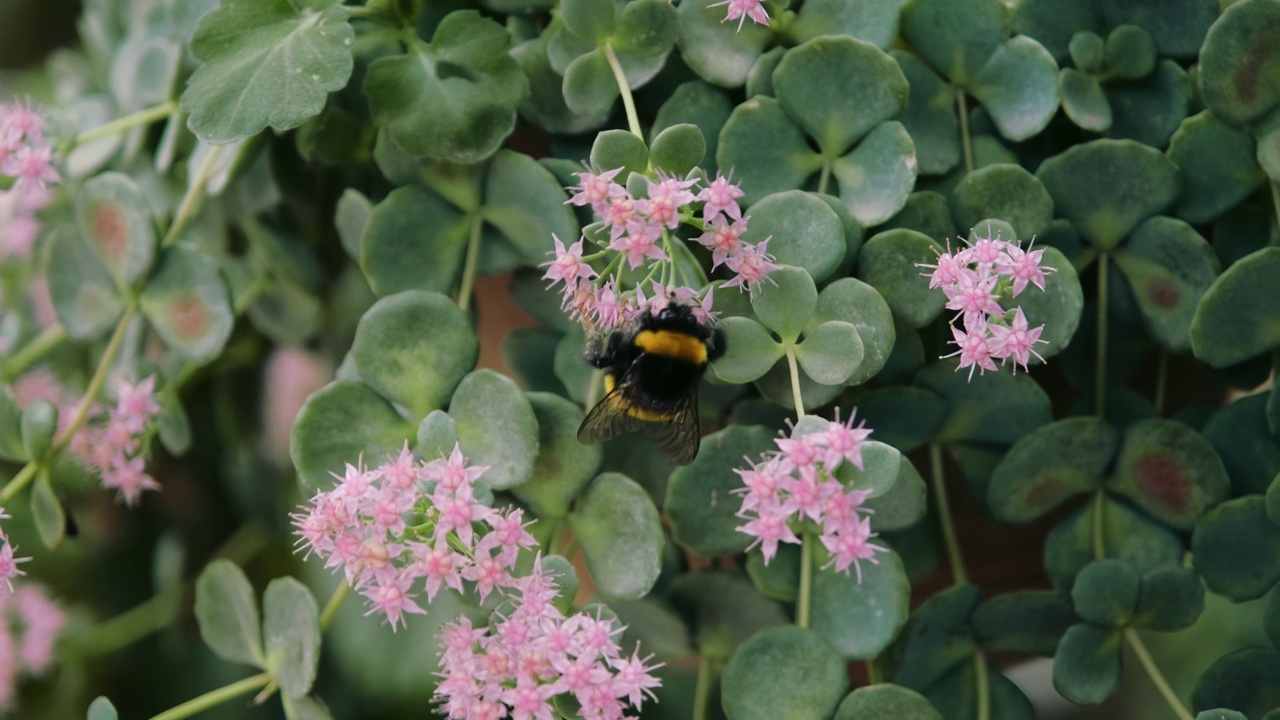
{"x": 1157, "y": 678}
{"x": 702, "y": 690}
{"x": 983, "y": 686}
{"x": 469, "y": 265}
{"x": 1099, "y": 525}
{"x": 187, "y": 207}
{"x": 1100, "y": 392}
{"x": 796, "y": 397}
{"x": 944, "y": 515}
{"x": 825, "y": 177}
{"x": 966, "y": 142}
{"x": 1275, "y": 199}
{"x": 633, "y": 120}
{"x": 215, "y": 697}
{"x": 1162, "y": 381}
{"x": 875, "y": 675}
{"x": 31, "y": 353}
{"x": 804, "y": 597}
{"x": 128, "y": 122}
{"x": 335, "y": 601}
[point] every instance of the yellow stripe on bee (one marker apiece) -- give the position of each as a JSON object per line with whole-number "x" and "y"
{"x": 672, "y": 344}
{"x": 609, "y": 382}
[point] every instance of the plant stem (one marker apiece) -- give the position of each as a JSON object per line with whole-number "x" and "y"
{"x": 1162, "y": 380}
{"x": 215, "y": 697}
{"x": 966, "y": 142}
{"x": 804, "y": 597}
{"x": 796, "y": 397}
{"x": 875, "y": 675}
{"x": 944, "y": 515}
{"x": 1157, "y": 678}
{"x": 187, "y": 207}
{"x": 1275, "y": 200}
{"x": 702, "y": 690}
{"x": 825, "y": 176}
{"x": 31, "y": 353}
{"x": 335, "y": 601}
{"x": 128, "y": 122}
{"x": 469, "y": 265}
{"x": 983, "y": 686}
{"x": 1100, "y": 392}
{"x": 1099, "y": 525}
{"x": 633, "y": 120}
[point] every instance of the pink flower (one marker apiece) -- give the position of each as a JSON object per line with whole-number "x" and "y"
{"x": 1023, "y": 266}
{"x": 136, "y": 404}
{"x": 948, "y": 269}
{"x": 568, "y": 265}
{"x": 769, "y": 528}
{"x": 609, "y": 306}
{"x": 639, "y": 243}
{"x": 974, "y": 351}
{"x": 1016, "y": 341}
{"x": 43, "y": 620}
{"x": 724, "y": 239}
{"x": 844, "y": 441}
{"x": 850, "y": 545}
{"x": 973, "y": 295}
{"x": 721, "y": 196}
{"x": 596, "y": 189}
{"x": 751, "y": 263}
{"x": 129, "y": 477}
{"x": 740, "y": 10}
{"x": 391, "y": 597}
{"x": 31, "y": 165}
{"x": 9, "y": 565}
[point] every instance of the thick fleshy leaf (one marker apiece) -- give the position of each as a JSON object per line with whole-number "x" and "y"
{"x": 699, "y": 503}
{"x": 1089, "y": 663}
{"x": 700, "y": 104}
{"x": 1170, "y": 598}
{"x": 1054, "y": 462}
{"x": 350, "y": 218}
{"x": 1087, "y": 50}
{"x": 1126, "y": 535}
{"x": 887, "y": 701}
{"x": 750, "y": 350}
{"x": 1026, "y": 621}
{"x": 995, "y": 408}
{"x": 589, "y": 19}
{"x": 10, "y": 427}
{"x": 84, "y": 296}
{"x": 808, "y": 233}
{"x": 621, "y": 536}
{"x": 496, "y": 427}
{"x": 718, "y": 51}
{"x": 1149, "y": 110}
{"x": 291, "y": 634}
{"x": 526, "y": 203}
{"x": 935, "y": 639}
{"x": 589, "y": 86}
{"x": 1107, "y": 187}
{"x": 38, "y": 424}
{"x": 1238, "y": 63}
{"x": 1169, "y": 266}
{"x": 1106, "y": 592}
{"x": 646, "y": 28}
{"x": 888, "y": 262}
{"x": 1237, "y": 549}
{"x": 437, "y": 436}
{"x": 340, "y": 423}
{"x": 678, "y": 149}
{"x": 780, "y": 578}
{"x": 187, "y": 303}
{"x": 853, "y": 301}
{"x": 860, "y": 614}
{"x": 101, "y": 709}
{"x": 545, "y": 105}
{"x": 874, "y": 22}
{"x": 1003, "y": 191}
{"x": 1247, "y": 680}
{"x": 929, "y": 116}
{"x": 903, "y": 416}
{"x": 1218, "y": 166}
{"x": 1055, "y": 23}
{"x": 765, "y": 148}
{"x": 265, "y": 64}
{"x": 454, "y": 99}
{"x": 614, "y": 149}
{"x": 115, "y": 220}
{"x": 786, "y": 304}
{"x": 1018, "y": 87}
{"x": 956, "y": 37}
{"x": 905, "y": 502}
{"x": 414, "y": 240}
{"x": 1239, "y": 315}
{"x": 1178, "y": 28}
{"x": 1171, "y": 471}
{"x": 1130, "y": 53}
{"x": 228, "y": 614}
{"x": 725, "y": 609}
{"x": 785, "y": 673}
{"x": 47, "y": 513}
{"x": 1083, "y": 100}
{"x": 1058, "y": 308}
{"x": 830, "y": 352}
{"x": 760, "y": 77}
{"x": 957, "y": 691}
{"x": 564, "y": 465}
{"x": 878, "y": 175}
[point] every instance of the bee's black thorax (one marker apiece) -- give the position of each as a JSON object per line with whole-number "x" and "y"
{"x": 667, "y": 353}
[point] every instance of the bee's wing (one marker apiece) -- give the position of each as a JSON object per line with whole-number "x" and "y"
{"x": 679, "y": 436}
{"x": 609, "y": 418}
{"x": 624, "y": 410}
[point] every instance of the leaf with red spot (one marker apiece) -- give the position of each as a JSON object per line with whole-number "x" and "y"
{"x": 1170, "y": 266}
{"x": 115, "y": 221}
{"x": 187, "y": 303}
{"x": 1053, "y": 463}
{"x": 1171, "y": 471}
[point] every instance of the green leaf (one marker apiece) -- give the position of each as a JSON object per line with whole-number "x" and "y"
{"x": 621, "y": 536}
{"x": 589, "y": 19}
{"x": 1106, "y": 593}
{"x": 767, "y": 151}
{"x": 929, "y": 115}
{"x": 265, "y": 64}
{"x": 1178, "y": 28}
{"x": 496, "y": 427}
{"x": 904, "y": 417}
{"x": 646, "y": 28}
{"x": 784, "y": 673}
{"x": 115, "y": 220}
{"x": 878, "y": 175}
{"x": 571, "y": 367}
{"x": 454, "y": 99}
{"x": 958, "y": 692}
{"x": 997, "y": 408}
{"x": 699, "y": 504}
{"x": 1054, "y": 462}
{"x": 887, "y": 701}
{"x": 1237, "y": 549}
{"x": 291, "y": 634}
{"x": 1247, "y": 680}
{"x": 808, "y": 232}
{"x": 721, "y": 53}
{"x": 413, "y": 348}
{"x": 1083, "y": 100}
{"x": 83, "y": 294}
{"x": 1058, "y": 307}
{"x": 614, "y": 149}
{"x": 956, "y": 37}
{"x": 1107, "y": 187}
{"x": 1087, "y": 49}
{"x": 935, "y": 639}
{"x": 1089, "y": 664}
{"x": 760, "y": 77}
{"x": 527, "y": 204}
{"x": 1126, "y": 535}
{"x": 749, "y": 351}
{"x": 10, "y": 427}
{"x": 1130, "y": 52}
{"x": 1002, "y": 191}
{"x": 39, "y": 423}
{"x": 861, "y": 615}
{"x": 414, "y": 240}
{"x": 187, "y": 303}
{"x": 1239, "y": 316}
{"x": 228, "y": 614}
{"x": 1249, "y": 450}
{"x": 694, "y": 102}
{"x": 1169, "y": 266}
{"x": 1217, "y": 164}
{"x": 874, "y": 22}
{"x": 1221, "y": 714}
{"x": 589, "y": 85}
{"x": 1238, "y": 63}
{"x": 1026, "y": 621}
{"x": 724, "y": 609}
{"x": 101, "y": 709}
{"x": 307, "y": 707}
{"x": 830, "y": 352}
{"x": 564, "y": 466}
{"x": 888, "y": 264}
{"x": 545, "y": 105}
{"x": 1018, "y": 87}
{"x": 437, "y": 435}
{"x": 780, "y": 578}
{"x": 1170, "y": 598}
{"x": 1149, "y": 110}
{"x": 786, "y": 304}
{"x": 338, "y": 424}
{"x": 47, "y": 512}
{"x": 1171, "y": 471}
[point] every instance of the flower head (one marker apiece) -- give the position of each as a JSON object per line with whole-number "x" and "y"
{"x": 740, "y": 10}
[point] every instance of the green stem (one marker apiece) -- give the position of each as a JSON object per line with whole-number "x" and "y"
{"x": 187, "y": 207}
{"x": 31, "y": 353}
{"x": 702, "y": 690}
{"x": 469, "y": 265}
{"x": 944, "y": 515}
{"x": 215, "y": 697}
{"x": 1157, "y": 678}
{"x": 1100, "y": 392}
{"x": 1275, "y": 200}
{"x": 335, "y": 601}
{"x": 982, "y": 684}
{"x": 875, "y": 675}
{"x": 966, "y": 142}
{"x": 804, "y": 597}
{"x": 825, "y": 176}
{"x": 633, "y": 120}
{"x": 1099, "y": 525}
{"x": 1162, "y": 381}
{"x": 128, "y": 122}
{"x": 795, "y": 381}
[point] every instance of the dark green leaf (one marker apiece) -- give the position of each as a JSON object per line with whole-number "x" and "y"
{"x": 718, "y": 51}
{"x": 1054, "y": 462}
{"x": 877, "y": 177}
{"x": 887, "y": 701}
{"x": 1250, "y": 452}
{"x": 678, "y": 149}
{"x": 1169, "y": 267}
{"x": 1126, "y": 535}
{"x": 766, "y": 149}
{"x": 589, "y": 19}
{"x": 1171, "y": 471}
{"x": 1089, "y": 663}
{"x": 1238, "y": 63}
{"x": 699, "y": 504}
{"x": 1083, "y": 100}
{"x": 1130, "y": 52}
{"x": 783, "y": 673}
{"x": 47, "y": 512}
{"x": 526, "y": 203}
{"x": 496, "y": 427}
{"x": 1237, "y": 549}
{"x": 724, "y": 609}
{"x": 956, "y": 37}
{"x": 935, "y": 639}
{"x": 1217, "y": 164}
{"x": 340, "y": 423}
{"x": 860, "y": 614}
{"x": 995, "y": 408}
{"x": 1018, "y": 87}
{"x": 589, "y": 84}
{"x": 1247, "y": 680}
{"x": 929, "y": 116}
{"x": 228, "y": 614}
{"x": 646, "y": 28}
{"x": 115, "y": 220}
{"x": 1106, "y": 593}
{"x": 564, "y": 465}
{"x": 1239, "y": 316}
{"x": 887, "y": 263}
{"x": 1170, "y": 598}
{"x": 39, "y": 422}
{"x": 1026, "y": 621}
{"x": 621, "y": 536}
{"x": 83, "y": 294}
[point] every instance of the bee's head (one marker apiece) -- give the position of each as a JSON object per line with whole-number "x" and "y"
{"x": 672, "y": 313}
{"x": 675, "y": 316}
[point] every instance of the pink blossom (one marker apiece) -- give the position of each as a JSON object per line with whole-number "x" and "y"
{"x": 609, "y": 306}
{"x": 849, "y": 546}
{"x": 31, "y": 165}
{"x": 391, "y": 597}
{"x": 752, "y": 264}
{"x": 724, "y": 239}
{"x": 640, "y": 243}
{"x": 769, "y": 528}
{"x": 974, "y": 351}
{"x": 1023, "y": 266}
{"x": 721, "y": 196}
{"x": 43, "y": 621}
{"x": 740, "y": 10}
{"x": 136, "y": 404}
{"x": 1016, "y": 341}
{"x": 567, "y": 265}
{"x": 596, "y": 189}
{"x": 129, "y": 477}
{"x": 9, "y": 564}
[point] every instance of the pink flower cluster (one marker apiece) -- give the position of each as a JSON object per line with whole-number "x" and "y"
{"x": 797, "y": 482}
{"x": 740, "y": 10}
{"x": 27, "y": 159}
{"x": 8, "y": 563}
{"x": 974, "y": 280}
{"x": 361, "y": 525}
{"x": 29, "y": 627}
{"x": 114, "y": 449}
{"x": 515, "y": 667}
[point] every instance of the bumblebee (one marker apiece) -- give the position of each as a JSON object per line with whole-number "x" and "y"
{"x": 651, "y": 381}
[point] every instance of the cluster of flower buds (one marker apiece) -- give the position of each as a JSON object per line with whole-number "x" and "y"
{"x": 637, "y": 232}
{"x": 26, "y": 162}
{"x": 798, "y": 482}
{"x": 362, "y": 525}
{"x": 974, "y": 279}
{"x": 534, "y": 653}
{"x": 29, "y": 627}
{"x": 115, "y": 448}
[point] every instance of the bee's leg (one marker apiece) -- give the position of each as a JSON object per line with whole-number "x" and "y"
{"x": 616, "y": 350}
{"x": 716, "y": 346}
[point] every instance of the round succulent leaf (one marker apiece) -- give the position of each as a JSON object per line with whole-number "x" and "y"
{"x": 1268, "y": 136}
{"x": 959, "y": 689}
{"x": 1130, "y": 52}
{"x": 38, "y": 424}
{"x": 563, "y": 47}
{"x": 589, "y": 19}
{"x": 527, "y": 204}
{"x": 1054, "y": 462}
{"x": 497, "y": 428}
{"x": 1178, "y": 28}
{"x": 887, "y": 262}
{"x": 1106, "y": 187}
{"x": 697, "y": 103}
{"x": 861, "y": 614}
{"x": 678, "y": 149}
{"x": 1221, "y": 714}
{"x": 1170, "y": 598}
{"x": 1273, "y": 504}
{"x": 350, "y": 217}
{"x": 1089, "y": 663}
{"x": 853, "y": 301}
{"x": 437, "y": 435}
{"x": 545, "y": 105}
{"x": 227, "y": 613}
{"x": 82, "y": 292}
{"x": 903, "y": 505}
{"x": 1169, "y": 266}
{"x": 102, "y": 709}
{"x": 998, "y": 408}
{"x": 614, "y": 149}
{"x": 589, "y": 85}
{"x": 620, "y": 534}
{"x": 929, "y": 116}
{"x": 265, "y": 64}
{"x": 340, "y": 423}
{"x": 775, "y": 386}
{"x": 760, "y": 77}
{"x": 1239, "y": 315}
{"x": 1002, "y": 191}
{"x": 874, "y": 22}
{"x": 783, "y": 673}
{"x": 838, "y": 88}
{"x": 750, "y": 351}
{"x": 903, "y": 416}
{"x": 719, "y": 52}
{"x": 878, "y": 175}
{"x": 1170, "y": 470}
{"x": 699, "y": 502}
{"x": 10, "y": 427}
{"x": 454, "y": 99}
{"x": 115, "y": 220}
{"x": 1127, "y": 535}
{"x": 926, "y": 212}
{"x": 786, "y": 303}
{"x": 1106, "y": 592}
{"x": 571, "y": 368}
{"x": 1149, "y": 110}
{"x": 886, "y": 700}
{"x": 765, "y": 148}
{"x": 1238, "y": 62}
{"x": 831, "y": 352}
{"x": 564, "y": 466}
{"x": 1086, "y": 49}
{"x": 807, "y": 232}
{"x": 958, "y": 37}
{"x": 188, "y": 305}
{"x": 1246, "y": 680}
{"x": 414, "y": 240}
{"x": 291, "y": 634}
{"x": 724, "y": 609}
{"x": 1236, "y": 549}
{"x": 1217, "y": 164}
{"x": 1058, "y": 307}
{"x": 880, "y": 466}
{"x": 1018, "y": 87}
{"x": 47, "y": 513}
{"x": 780, "y": 577}
{"x": 646, "y": 28}
{"x": 1026, "y": 621}
{"x": 1083, "y": 100}
{"x": 936, "y": 638}
{"x": 1054, "y": 24}
{"x": 414, "y": 348}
